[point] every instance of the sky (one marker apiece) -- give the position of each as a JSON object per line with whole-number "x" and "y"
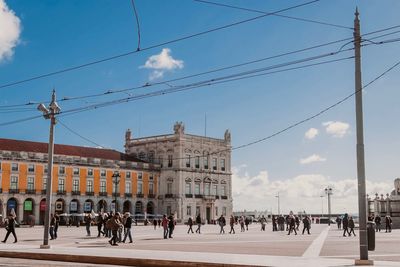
{"x": 39, "y": 37}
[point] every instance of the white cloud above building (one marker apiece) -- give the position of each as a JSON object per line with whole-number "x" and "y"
{"x": 336, "y": 128}
{"x": 161, "y": 63}
{"x": 10, "y": 30}
{"x": 311, "y": 133}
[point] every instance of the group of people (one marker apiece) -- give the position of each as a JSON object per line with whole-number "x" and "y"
{"x": 378, "y": 222}
{"x": 347, "y": 223}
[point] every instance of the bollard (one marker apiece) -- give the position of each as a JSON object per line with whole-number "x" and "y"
{"x": 371, "y": 235}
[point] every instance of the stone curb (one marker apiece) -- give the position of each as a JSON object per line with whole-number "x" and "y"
{"x": 113, "y": 260}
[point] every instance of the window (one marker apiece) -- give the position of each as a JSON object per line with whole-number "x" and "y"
{"x": 128, "y": 175}
{"x": 188, "y": 161}
{"x": 89, "y": 186}
{"x": 102, "y": 186}
{"x": 160, "y": 161}
{"x": 44, "y": 183}
{"x": 214, "y": 189}
{"x": 61, "y": 185}
{"x": 223, "y": 190}
{"x": 188, "y": 188}
{"x": 224, "y": 211}
{"x": 142, "y": 156}
{"x": 31, "y": 168}
{"x": 45, "y": 168}
{"x": 197, "y": 162}
{"x": 169, "y": 210}
{"x": 197, "y": 210}
{"x": 206, "y": 162}
{"x": 151, "y": 156}
{"x": 151, "y": 188}
{"x": 14, "y": 167}
{"x": 140, "y": 175}
{"x": 128, "y": 187}
{"x": 197, "y": 189}
{"x": 222, "y": 164}
{"x": 103, "y": 173}
{"x": 140, "y": 188}
{"x": 216, "y": 211}
{"x": 169, "y": 188}
{"x": 90, "y": 172}
{"x": 14, "y": 182}
{"x": 169, "y": 160}
{"x": 114, "y": 189}
{"x": 61, "y": 170}
{"x": 75, "y": 185}
{"x": 214, "y": 164}
{"x": 189, "y": 211}
{"x": 76, "y": 171}
{"x": 31, "y": 183}
{"x": 151, "y": 177}
{"x": 207, "y": 189}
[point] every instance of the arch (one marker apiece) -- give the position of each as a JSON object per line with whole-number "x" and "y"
{"x": 150, "y": 207}
{"x": 74, "y": 206}
{"x": 196, "y": 152}
{"x": 215, "y": 181}
{"x": 207, "y": 180}
{"x": 60, "y": 206}
{"x": 187, "y": 150}
{"x": 223, "y": 182}
{"x": 42, "y": 210}
{"x": 127, "y": 206}
{"x": 102, "y": 206}
{"x": 12, "y": 206}
{"x": 197, "y": 180}
{"x": 188, "y": 179}
{"x": 139, "y": 207}
{"x": 28, "y": 209}
{"x": 88, "y": 206}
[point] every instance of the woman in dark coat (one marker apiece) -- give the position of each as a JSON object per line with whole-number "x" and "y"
{"x": 10, "y": 229}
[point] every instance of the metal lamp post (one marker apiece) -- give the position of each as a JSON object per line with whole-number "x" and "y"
{"x": 322, "y": 206}
{"x": 328, "y": 191}
{"x": 279, "y": 206}
{"x": 116, "y": 176}
{"x": 49, "y": 112}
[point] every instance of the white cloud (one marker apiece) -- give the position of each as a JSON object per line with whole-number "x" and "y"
{"x": 311, "y": 133}
{"x": 300, "y": 193}
{"x": 10, "y": 30}
{"x": 336, "y": 128}
{"x": 161, "y": 63}
{"x": 311, "y": 159}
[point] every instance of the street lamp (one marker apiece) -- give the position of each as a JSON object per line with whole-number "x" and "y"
{"x": 116, "y": 176}
{"x": 322, "y": 206}
{"x": 328, "y": 191}
{"x": 49, "y": 113}
{"x": 279, "y": 206}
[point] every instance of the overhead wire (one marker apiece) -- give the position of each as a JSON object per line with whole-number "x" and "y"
{"x": 153, "y": 46}
{"x": 79, "y": 135}
{"x": 137, "y": 23}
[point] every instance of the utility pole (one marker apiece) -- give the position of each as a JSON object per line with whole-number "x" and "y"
{"x": 362, "y": 208}
{"x": 49, "y": 113}
{"x": 328, "y": 191}
{"x": 279, "y": 206}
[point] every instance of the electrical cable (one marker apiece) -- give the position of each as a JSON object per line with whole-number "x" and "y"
{"x": 151, "y": 47}
{"x": 137, "y": 24}
{"x": 81, "y": 136}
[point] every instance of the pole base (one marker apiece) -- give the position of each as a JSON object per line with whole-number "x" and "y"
{"x": 364, "y": 262}
{"x": 44, "y": 246}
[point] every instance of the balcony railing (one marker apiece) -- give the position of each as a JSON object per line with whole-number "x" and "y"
{"x": 128, "y": 194}
{"x": 189, "y": 195}
{"x": 198, "y": 196}
{"x": 224, "y": 197}
{"x": 103, "y": 194}
{"x": 60, "y": 192}
{"x": 151, "y": 196}
{"x": 139, "y": 195}
{"x": 76, "y": 193}
{"x": 208, "y": 197}
{"x": 13, "y": 191}
{"x": 43, "y": 192}
{"x": 30, "y": 191}
{"x": 168, "y": 195}
{"x": 216, "y": 197}
{"x": 89, "y": 193}
{"x": 115, "y": 194}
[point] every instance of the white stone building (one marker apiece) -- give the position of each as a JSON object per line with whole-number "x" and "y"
{"x": 195, "y": 175}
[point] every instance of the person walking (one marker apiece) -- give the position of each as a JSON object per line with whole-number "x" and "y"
{"x": 292, "y": 224}
{"x": 241, "y": 221}
{"x": 52, "y": 225}
{"x": 351, "y": 226}
{"x": 114, "y": 224}
{"x": 198, "y": 222}
{"x": 338, "y": 222}
{"x": 388, "y": 222}
{"x": 165, "y": 226}
{"x": 127, "y": 227}
{"x": 378, "y": 223}
{"x": 222, "y": 223}
{"x": 100, "y": 222}
{"x": 297, "y": 220}
{"x": 345, "y": 224}
{"x": 274, "y": 224}
{"x": 190, "y": 224}
{"x": 88, "y": 221}
{"x": 10, "y": 227}
{"x": 306, "y": 224}
{"x": 263, "y": 221}
{"x": 232, "y": 224}
{"x": 171, "y": 225}
{"x": 155, "y": 223}
{"x": 56, "y": 225}
{"x": 246, "y": 222}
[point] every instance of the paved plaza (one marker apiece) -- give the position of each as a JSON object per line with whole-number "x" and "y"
{"x": 324, "y": 247}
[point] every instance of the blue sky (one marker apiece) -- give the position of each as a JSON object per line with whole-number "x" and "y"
{"x": 59, "y": 34}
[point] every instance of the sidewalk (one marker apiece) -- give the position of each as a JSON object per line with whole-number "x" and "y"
{"x": 166, "y": 258}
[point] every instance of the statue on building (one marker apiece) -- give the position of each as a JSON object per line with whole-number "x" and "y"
{"x": 227, "y": 136}
{"x": 128, "y": 135}
{"x": 179, "y": 128}
{"x": 396, "y": 190}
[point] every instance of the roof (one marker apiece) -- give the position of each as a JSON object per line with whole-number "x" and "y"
{"x": 67, "y": 150}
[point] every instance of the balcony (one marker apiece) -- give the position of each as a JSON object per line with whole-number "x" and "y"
{"x": 128, "y": 194}
{"x": 216, "y": 197}
{"x": 13, "y": 191}
{"x": 60, "y": 192}
{"x": 115, "y": 194}
{"x": 139, "y": 195}
{"x": 208, "y": 197}
{"x": 168, "y": 195}
{"x": 43, "y": 192}
{"x": 151, "y": 196}
{"x": 30, "y": 191}
{"x": 224, "y": 197}
{"x": 89, "y": 193}
{"x": 76, "y": 193}
{"x": 198, "y": 196}
{"x": 189, "y": 195}
{"x": 103, "y": 194}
